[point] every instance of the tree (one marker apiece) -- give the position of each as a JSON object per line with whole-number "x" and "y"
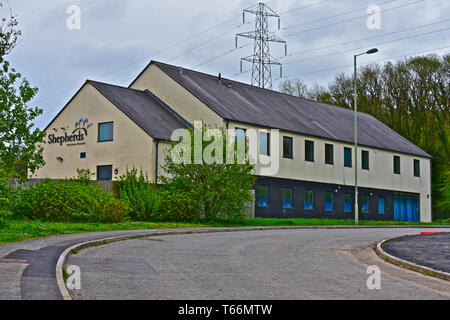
{"x": 9, "y": 34}
{"x": 19, "y": 150}
{"x": 213, "y": 190}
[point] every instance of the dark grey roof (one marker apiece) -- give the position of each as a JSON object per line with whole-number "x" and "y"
{"x": 145, "y": 109}
{"x": 248, "y": 104}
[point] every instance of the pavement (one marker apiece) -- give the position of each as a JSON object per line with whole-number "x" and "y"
{"x": 258, "y": 265}
{"x": 292, "y": 264}
{"x": 429, "y": 250}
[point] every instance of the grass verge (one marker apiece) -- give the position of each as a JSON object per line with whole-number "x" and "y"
{"x": 15, "y": 231}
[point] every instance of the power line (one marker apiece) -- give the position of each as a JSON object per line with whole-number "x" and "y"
{"x": 352, "y": 19}
{"x": 363, "y": 63}
{"x": 336, "y": 15}
{"x": 304, "y": 7}
{"x": 220, "y": 56}
{"x": 362, "y": 39}
{"x": 363, "y": 47}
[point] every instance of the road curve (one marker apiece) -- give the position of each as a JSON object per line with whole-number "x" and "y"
{"x": 274, "y": 264}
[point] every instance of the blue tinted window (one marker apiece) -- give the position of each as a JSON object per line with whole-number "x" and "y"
{"x": 348, "y": 202}
{"x": 309, "y": 200}
{"x": 365, "y": 204}
{"x": 381, "y": 205}
{"x": 106, "y": 131}
{"x": 104, "y": 173}
{"x": 263, "y": 196}
{"x": 329, "y": 201}
{"x": 348, "y": 157}
{"x": 287, "y": 198}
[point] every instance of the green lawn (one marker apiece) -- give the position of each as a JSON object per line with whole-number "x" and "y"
{"x": 24, "y": 230}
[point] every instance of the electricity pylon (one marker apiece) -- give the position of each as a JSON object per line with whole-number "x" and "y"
{"x": 261, "y": 58}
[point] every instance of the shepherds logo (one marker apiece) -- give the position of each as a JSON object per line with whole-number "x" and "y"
{"x": 78, "y": 135}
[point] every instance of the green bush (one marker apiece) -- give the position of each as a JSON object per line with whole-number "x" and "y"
{"x": 141, "y": 197}
{"x": 68, "y": 201}
{"x": 6, "y": 196}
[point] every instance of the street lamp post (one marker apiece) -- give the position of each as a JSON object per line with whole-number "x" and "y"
{"x": 355, "y": 97}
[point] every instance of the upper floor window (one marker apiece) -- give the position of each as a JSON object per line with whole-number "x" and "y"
{"x": 240, "y": 135}
{"x": 309, "y": 151}
{"x": 396, "y": 164}
{"x": 288, "y": 150}
{"x": 264, "y": 143}
{"x": 416, "y": 168}
{"x": 105, "y": 131}
{"x": 365, "y": 160}
{"x": 329, "y": 154}
{"x": 348, "y": 157}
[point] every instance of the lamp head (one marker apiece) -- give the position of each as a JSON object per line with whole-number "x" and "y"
{"x": 371, "y": 51}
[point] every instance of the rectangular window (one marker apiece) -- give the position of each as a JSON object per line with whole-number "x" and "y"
{"x": 329, "y": 154}
{"x": 329, "y": 201}
{"x": 288, "y": 148}
{"x": 348, "y": 202}
{"x": 348, "y": 157}
{"x": 263, "y": 196}
{"x": 104, "y": 173}
{"x": 364, "y": 204}
{"x": 287, "y": 198}
{"x": 396, "y": 164}
{"x": 264, "y": 143}
{"x": 309, "y": 151}
{"x": 105, "y": 132}
{"x": 416, "y": 168}
{"x": 240, "y": 135}
{"x": 365, "y": 160}
{"x": 83, "y": 155}
{"x": 309, "y": 200}
{"x": 381, "y": 205}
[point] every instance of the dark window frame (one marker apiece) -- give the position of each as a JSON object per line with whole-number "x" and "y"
{"x": 268, "y": 143}
{"x": 332, "y": 201}
{"x": 363, "y": 196}
{"x": 291, "y": 154}
{"x": 98, "y": 132}
{"x": 83, "y": 155}
{"x": 311, "y": 144}
{"x": 331, "y": 160}
{"x": 292, "y": 197}
{"x": 363, "y": 166}
{"x": 313, "y": 198}
{"x": 397, "y": 165}
{"x": 268, "y": 196}
{"x": 417, "y": 173}
{"x": 104, "y": 166}
{"x": 384, "y": 205}
{"x": 350, "y": 152}
{"x": 351, "y": 202}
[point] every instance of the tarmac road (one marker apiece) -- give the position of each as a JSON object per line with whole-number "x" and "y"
{"x": 277, "y": 264}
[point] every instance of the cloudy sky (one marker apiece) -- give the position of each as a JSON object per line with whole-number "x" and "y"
{"x": 117, "y": 38}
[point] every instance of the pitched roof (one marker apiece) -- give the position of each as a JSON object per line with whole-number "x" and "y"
{"x": 144, "y": 108}
{"x": 252, "y": 105}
